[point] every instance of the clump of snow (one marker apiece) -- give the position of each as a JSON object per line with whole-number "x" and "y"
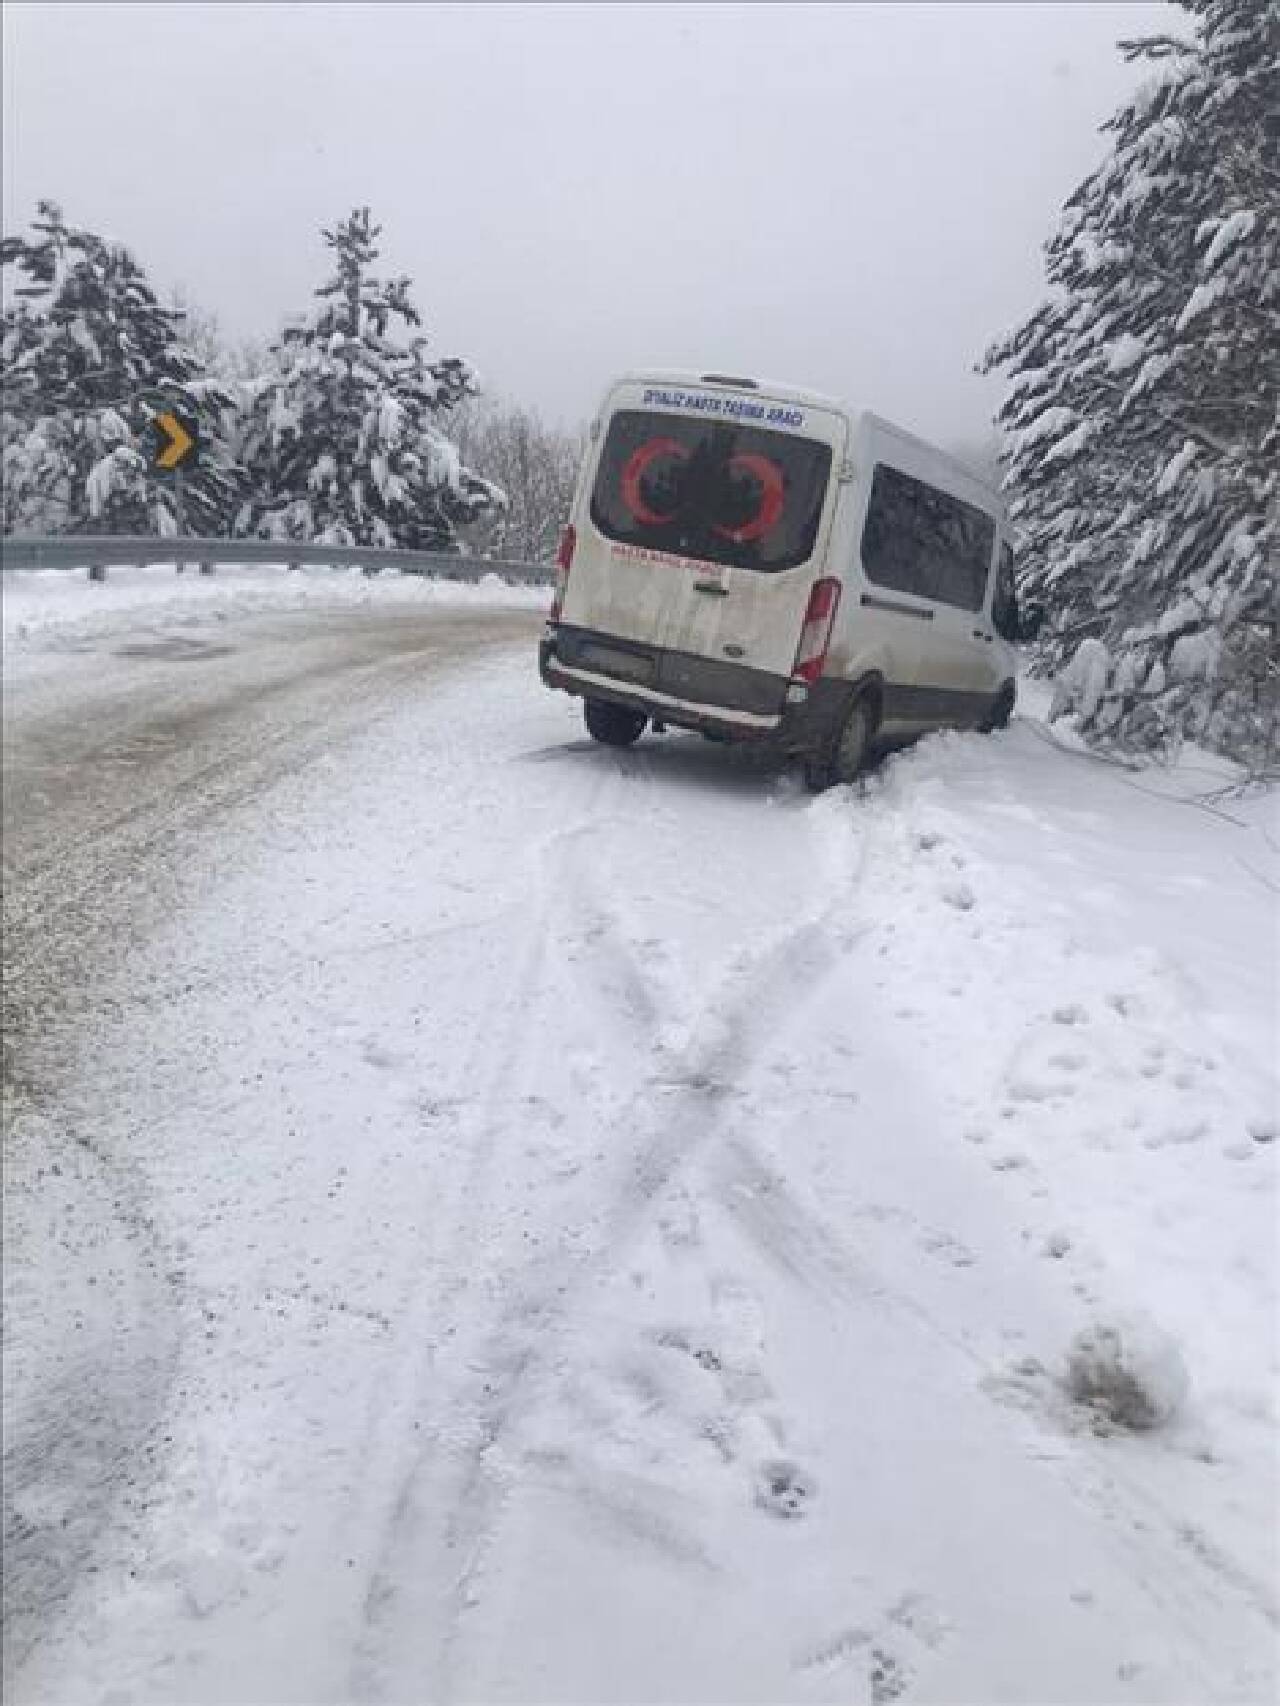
{"x": 1130, "y": 1371}
{"x": 1204, "y": 297}
{"x": 1048, "y": 424}
{"x": 1073, "y": 444}
{"x": 1186, "y": 613}
{"x": 1096, "y": 257}
{"x": 1195, "y": 656}
{"x": 109, "y": 474}
{"x": 1125, "y": 352}
{"x": 1227, "y": 233}
{"x": 112, "y": 428}
{"x": 1082, "y": 683}
{"x": 1176, "y": 467}
{"x": 443, "y": 462}
{"x": 1150, "y": 374}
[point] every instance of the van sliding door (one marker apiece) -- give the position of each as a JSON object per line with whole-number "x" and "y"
{"x": 932, "y": 552}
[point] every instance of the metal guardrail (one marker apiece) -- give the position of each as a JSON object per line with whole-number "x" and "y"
{"x": 98, "y": 553}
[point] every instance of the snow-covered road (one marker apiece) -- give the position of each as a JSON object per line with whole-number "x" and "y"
{"x": 517, "y": 1221}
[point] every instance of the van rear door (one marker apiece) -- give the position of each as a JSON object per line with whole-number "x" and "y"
{"x": 705, "y": 523}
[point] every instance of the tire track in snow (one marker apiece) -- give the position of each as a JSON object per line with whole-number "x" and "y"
{"x": 496, "y": 1062}
{"x": 472, "y": 1462}
{"x": 748, "y": 1013}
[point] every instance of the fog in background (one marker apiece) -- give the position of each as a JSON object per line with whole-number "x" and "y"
{"x": 848, "y": 197}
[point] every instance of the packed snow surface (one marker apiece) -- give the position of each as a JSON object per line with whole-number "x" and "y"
{"x": 606, "y": 1226}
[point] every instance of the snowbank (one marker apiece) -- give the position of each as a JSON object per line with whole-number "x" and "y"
{"x": 40, "y": 605}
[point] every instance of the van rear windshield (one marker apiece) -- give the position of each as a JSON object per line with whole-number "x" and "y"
{"x": 712, "y": 490}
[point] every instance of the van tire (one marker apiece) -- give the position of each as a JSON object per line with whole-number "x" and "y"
{"x": 1001, "y": 711}
{"x": 842, "y": 760}
{"x": 613, "y": 725}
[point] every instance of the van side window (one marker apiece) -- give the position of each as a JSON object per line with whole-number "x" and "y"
{"x": 1004, "y": 604}
{"x": 920, "y": 540}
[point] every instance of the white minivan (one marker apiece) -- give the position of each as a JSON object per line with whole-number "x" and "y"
{"x": 761, "y": 563}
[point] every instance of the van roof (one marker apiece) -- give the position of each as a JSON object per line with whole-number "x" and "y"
{"x": 816, "y": 399}
{"x": 933, "y": 451}
{"x": 728, "y": 382}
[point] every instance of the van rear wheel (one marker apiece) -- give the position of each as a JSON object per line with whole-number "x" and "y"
{"x": 1001, "y": 710}
{"x": 842, "y": 760}
{"x": 613, "y": 725}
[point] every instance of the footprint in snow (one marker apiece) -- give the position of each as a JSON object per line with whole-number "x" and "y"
{"x": 678, "y": 1224}
{"x": 836, "y": 1650}
{"x": 1008, "y": 1163}
{"x": 1025, "y": 1088}
{"x": 921, "y": 1618}
{"x": 948, "y": 1249}
{"x": 377, "y": 1055}
{"x": 1238, "y": 1151}
{"x": 1067, "y": 1060}
{"x": 1178, "y": 1132}
{"x": 783, "y": 1489}
{"x": 888, "y": 1676}
{"x": 1070, "y": 1013}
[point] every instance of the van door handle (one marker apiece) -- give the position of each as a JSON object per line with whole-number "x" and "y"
{"x": 713, "y": 587}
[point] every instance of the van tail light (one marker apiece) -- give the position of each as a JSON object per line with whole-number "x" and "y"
{"x": 815, "y": 636}
{"x": 564, "y": 560}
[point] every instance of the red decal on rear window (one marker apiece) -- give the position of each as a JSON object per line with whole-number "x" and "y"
{"x": 755, "y": 485}
{"x": 651, "y": 479}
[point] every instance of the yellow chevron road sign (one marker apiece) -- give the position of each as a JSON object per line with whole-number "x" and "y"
{"x": 176, "y": 440}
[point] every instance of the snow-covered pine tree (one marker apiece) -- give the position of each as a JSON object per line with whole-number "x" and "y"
{"x": 240, "y": 369}
{"x": 1140, "y": 427}
{"x": 89, "y": 356}
{"x": 343, "y": 445}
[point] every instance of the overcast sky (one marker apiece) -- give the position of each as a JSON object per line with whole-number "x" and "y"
{"x": 851, "y": 197}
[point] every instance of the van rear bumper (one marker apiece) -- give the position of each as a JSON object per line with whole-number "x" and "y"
{"x": 676, "y": 687}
